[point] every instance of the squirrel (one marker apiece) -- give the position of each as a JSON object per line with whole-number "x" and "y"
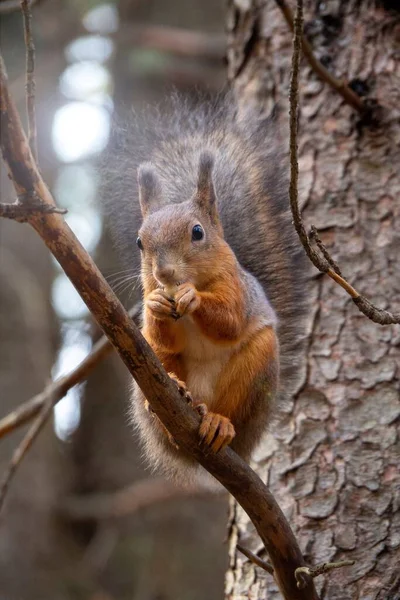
{"x": 222, "y": 274}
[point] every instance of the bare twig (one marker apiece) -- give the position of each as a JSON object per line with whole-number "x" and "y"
{"x": 256, "y": 559}
{"x": 127, "y": 501}
{"x": 41, "y": 406}
{"x": 324, "y": 262}
{"x": 57, "y": 389}
{"x": 176, "y": 415}
{"x": 21, "y": 211}
{"x": 337, "y": 84}
{"x": 30, "y": 76}
{"x": 314, "y": 235}
{"x": 306, "y": 574}
{"x": 24, "y": 446}
{"x": 9, "y": 6}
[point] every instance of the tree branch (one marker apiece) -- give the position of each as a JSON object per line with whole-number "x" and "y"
{"x": 324, "y": 263}
{"x": 179, "y": 418}
{"x": 256, "y": 559}
{"x": 30, "y": 76}
{"x": 58, "y": 389}
{"x": 338, "y": 85}
{"x": 126, "y": 501}
{"x": 305, "y": 574}
{"x": 314, "y": 236}
{"x": 22, "y": 211}
{"x": 41, "y": 407}
{"x": 24, "y": 446}
{"x": 9, "y": 6}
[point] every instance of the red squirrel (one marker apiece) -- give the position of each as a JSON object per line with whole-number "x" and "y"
{"x": 222, "y": 276}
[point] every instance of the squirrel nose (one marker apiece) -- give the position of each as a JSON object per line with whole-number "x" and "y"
{"x": 164, "y": 273}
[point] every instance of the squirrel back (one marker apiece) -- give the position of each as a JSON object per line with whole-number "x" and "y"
{"x": 251, "y": 184}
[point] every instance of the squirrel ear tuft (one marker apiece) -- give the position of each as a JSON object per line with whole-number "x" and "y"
{"x": 150, "y": 193}
{"x": 206, "y": 164}
{"x": 205, "y": 196}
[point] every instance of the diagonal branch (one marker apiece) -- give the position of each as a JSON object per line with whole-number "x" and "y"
{"x": 41, "y": 407}
{"x": 179, "y": 418}
{"x": 126, "y": 501}
{"x": 324, "y": 262}
{"x": 57, "y": 389}
{"x": 314, "y": 236}
{"x": 257, "y": 560}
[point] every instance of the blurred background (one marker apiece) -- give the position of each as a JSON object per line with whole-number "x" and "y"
{"x": 75, "y": 524}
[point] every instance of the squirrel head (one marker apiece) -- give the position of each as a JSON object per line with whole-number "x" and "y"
{"x": 181, "y": 242}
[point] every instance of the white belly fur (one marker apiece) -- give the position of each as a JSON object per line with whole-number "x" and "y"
{"x": 204, "y": 361}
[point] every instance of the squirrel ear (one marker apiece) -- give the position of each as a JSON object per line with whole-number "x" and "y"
{"x": 150, "y": 193}
{"x": 205, "y": 196}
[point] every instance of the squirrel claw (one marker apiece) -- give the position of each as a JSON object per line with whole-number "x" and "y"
{"x": 216, "y": 432}
{"x": 202, "y": 409}
{"x": 182, "y": 389}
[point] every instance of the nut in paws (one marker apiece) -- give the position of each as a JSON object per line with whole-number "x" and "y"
{"x": 161, "y": 305}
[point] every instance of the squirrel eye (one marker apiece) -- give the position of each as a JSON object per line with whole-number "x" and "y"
{"x": 139, "y": 243}
{"x": 197, "y": 233}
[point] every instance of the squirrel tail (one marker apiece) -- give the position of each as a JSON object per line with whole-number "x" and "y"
{"x": 270, "y": 248}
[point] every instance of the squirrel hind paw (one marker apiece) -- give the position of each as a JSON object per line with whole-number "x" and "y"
{"x": 216, "y": 432}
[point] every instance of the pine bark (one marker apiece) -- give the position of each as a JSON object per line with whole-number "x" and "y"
{"x": 333, "y": 459}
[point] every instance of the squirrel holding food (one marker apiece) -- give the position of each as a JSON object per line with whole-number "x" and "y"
{"x": 222, "y": 274}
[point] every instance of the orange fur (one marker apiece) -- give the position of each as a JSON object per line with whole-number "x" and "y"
{"x": 163, "y": 335}
{"x": 221, "y": 312}
{"x": 232, "y": 394}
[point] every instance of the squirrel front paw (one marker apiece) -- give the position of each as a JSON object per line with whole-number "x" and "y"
{"x": 187, "y": 299}
{"x": 161, "y": 305}
{"x": 216, "y": 431}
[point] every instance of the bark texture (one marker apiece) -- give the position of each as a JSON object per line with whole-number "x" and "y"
{"x": 333, "y": 460}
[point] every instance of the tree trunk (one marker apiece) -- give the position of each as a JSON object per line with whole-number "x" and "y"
{"x": 333, "y": 461}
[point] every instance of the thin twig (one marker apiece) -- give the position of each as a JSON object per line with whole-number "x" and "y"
{"x": 22, "y": 211}
{"x": 30, "y": 76}
{"x": 324, "y": 262}
{"x": 339, "y": 85}
{"x": 165, "y": 400}
{"x": 255, "y": 559}
{"x": 24, "y": 446}
{"x": 9, "y": 6}
{"x": 138, "y": 495}
{"x": 57, "y": 389}
{"x": 294, "y": 167}
{"x": 314, "y": 235}
{"x": 305, "y": 574}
